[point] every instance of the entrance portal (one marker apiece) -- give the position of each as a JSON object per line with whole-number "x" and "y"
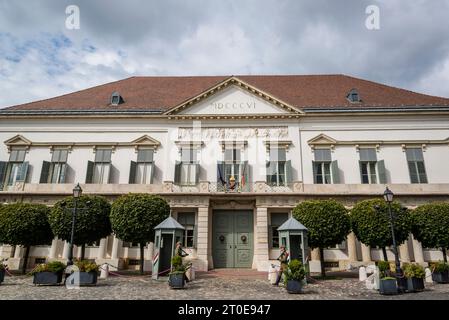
{"x": 232, "y": 239}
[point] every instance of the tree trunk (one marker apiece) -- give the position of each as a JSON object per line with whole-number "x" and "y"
{"x": 444, "y": 255}
{"x": 83, "y": 251}
{"x": 142, "y": 247}
{"x": 25, "y": 260}
{"x": 384, "y": 251}
{"x": 323, "y": 269}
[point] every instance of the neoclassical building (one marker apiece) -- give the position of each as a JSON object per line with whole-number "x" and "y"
{"x": 232, "y": 155}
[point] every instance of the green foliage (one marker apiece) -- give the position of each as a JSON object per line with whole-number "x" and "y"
{"x": 92, "y": 219}
{"x": 384, "y": 268}
{"x": 134, "y": 216}
{"x": 177, "y": 265}
{"x": 372, "y": 226}
{"x": 414, "y": 271}
{"x": 430, "y": 224}
{"x": 327, "y": 222}
{"x": 440, "y": 266}
{"x": 25, "y": 224}
{"x": 295, "y": 271}
{"x": 86, "y": 266}
{"x": 54, "y": 266}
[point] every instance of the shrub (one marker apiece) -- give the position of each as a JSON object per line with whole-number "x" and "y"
{"x": 295, "y": 271}
{"x": 53, "y": 266}
{"x": 414, "y": 271}
{"x": 384, "y": 268}
{"x": 440, "y": 266}
{"x": 177, "y": 266}
{"x": 86, "y": 266}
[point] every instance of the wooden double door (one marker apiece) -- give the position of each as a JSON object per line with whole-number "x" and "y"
{"x": 232, "y": 243}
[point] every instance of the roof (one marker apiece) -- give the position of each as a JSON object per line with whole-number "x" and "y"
{"x": 169, "y": 223}
{"x": 293, "y": 225}
{"x": 159, "y": 94}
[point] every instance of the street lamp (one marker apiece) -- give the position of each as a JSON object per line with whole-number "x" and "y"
{"x": 388, "y": 197}
{"x": 77, "y": 191}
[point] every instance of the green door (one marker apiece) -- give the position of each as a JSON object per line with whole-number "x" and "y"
{"x": 232, "y": 239}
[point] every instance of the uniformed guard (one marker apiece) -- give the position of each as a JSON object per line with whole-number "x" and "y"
{"x": 179, "y": 251}
{"x": 283, "y": 259}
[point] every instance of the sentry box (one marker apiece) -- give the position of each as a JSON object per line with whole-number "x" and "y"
{"x": 167, "y": 233}
{"x": 293, "y": 235}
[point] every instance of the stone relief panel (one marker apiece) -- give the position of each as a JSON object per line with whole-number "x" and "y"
{"x": 275, "y": 133}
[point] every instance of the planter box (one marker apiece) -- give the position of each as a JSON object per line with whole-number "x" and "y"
{"x": 440, "y": 277}
{"x": 388, "y": 287}
{"x": 88, "y": 278}
{"x": 294, "y": 286}
{"x": 176, "y": 280}
{"x": 415, "y": 284}
{"x": 2, "y": 275}
{"x": 47, "y": 278}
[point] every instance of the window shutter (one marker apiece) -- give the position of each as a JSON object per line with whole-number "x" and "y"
{"x": 3, "y": 166}
{"x": 421, "y": 172}
{"x": 270, "y": 237}
{"x": 314, "y": 164}
{"x": 245, "y": 175}
{"x": 381, "y": 172}
{"x": 63, "y": 173}
{"x": 335, "y": 173}
{"x": 178, "y": 172}
{"x": 288, "y": 172}
{"x": 360, "y": 168}
{"x": 220, "y": 173}
{"x": 132, "y": 172}
{"x": 90, "y": 172}
{"x": 110, "y": 175}
{"x": 22, "y": 174}
{"x": 44, "y": 172}
{"x": 152, "y": 172}
{"x": 267, "y": 165}
{"x": 197, "y": 173}
{"x": 195, "y": 236}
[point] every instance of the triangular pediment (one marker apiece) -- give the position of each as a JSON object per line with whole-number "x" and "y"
{"x": 18, "y": 140}
{"x": 147, "y": 141}
{"x": 233, "y": 97}
{"x": 322, "y": 139}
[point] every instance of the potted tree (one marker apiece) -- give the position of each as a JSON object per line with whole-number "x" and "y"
{"x": 388, "y": 284}
{"x": 88, "y": 272}
{"x": 415, "y": 277}
{"x": 294, "y": 276}
{"x": 177, "y": 276}
{"x": 440, "y": 272}
{"x": 48, "y": 273}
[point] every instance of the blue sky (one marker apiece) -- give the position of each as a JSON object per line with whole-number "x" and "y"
{"x": 41, "y": 58}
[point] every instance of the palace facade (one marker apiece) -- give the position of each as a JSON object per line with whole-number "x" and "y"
{"x": 232, "y": 155}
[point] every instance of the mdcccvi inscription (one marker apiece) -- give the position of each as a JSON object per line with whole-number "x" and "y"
{"x": 234, "y": 105}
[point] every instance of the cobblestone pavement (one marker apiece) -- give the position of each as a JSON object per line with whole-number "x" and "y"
{"x": 207, "y": 286}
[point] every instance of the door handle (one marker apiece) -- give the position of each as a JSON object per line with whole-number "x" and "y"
{"x": 230, "y": 247}
{"x": 235, "y": 246}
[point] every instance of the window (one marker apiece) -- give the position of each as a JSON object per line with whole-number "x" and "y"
{"x": 371, "y": 170}
{"x": 232, "y": 172}
{"x": 187, "y": 220}
{"x": 277, "y": 219}
{"x": 99, "y": 171}
{"x": 278, "y": 169}
{"x": 353, "y": 96}
{"x": 416, "y": 168}
{"x": 15, "y": 170}
{"x": 55, "y": 171}
{"x": 116, "y": 99}
{"x": 187, "y": 170}
{"x": 142, "y": 171}
{"x": 325, "y": 171}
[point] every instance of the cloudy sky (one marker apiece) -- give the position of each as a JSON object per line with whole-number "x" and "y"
{"x": 41, "y": 58}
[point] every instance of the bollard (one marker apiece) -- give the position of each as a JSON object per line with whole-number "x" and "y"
{"x": 362, "y": 274}
{"x": 428, "y": 276}
{"x": 104, "y": 271}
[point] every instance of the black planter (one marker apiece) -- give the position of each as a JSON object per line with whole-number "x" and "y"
{"x": 415, "y": 284}
{"x": 440, "y": 277}
{"x": 2, "y": 275}
{"x": 88, "y": 278}
{"x": 388, "y": 287}
{"x": 176, "y": 280}
{"x": 294, "y": 286}
{"x": 47, "y": 278}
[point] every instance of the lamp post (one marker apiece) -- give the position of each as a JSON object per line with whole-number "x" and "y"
{"x": 388, "y": 197}
{"x": 77, "y": 191}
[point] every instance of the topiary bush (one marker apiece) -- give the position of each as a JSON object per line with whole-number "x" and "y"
{"x": 327, "y": 223}
{"x": 295, "y": 271}
{"x": 370, "y": 221}
{"x": 412, "y": 270}
{"x": 430, "y": 225}
{"x": 134, "y": 216}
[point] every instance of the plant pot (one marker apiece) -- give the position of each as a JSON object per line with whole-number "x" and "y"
{"x": 176, "y": 280}
{"x": 388, "y": 286}
{"x": 88, "y": 278}
{"x": 294, "y": 286}
{"x": 415, "y": 284}
{"x": 440, "y": 277}
{"x": 2, "y": 275}
{"x": 47, "y": 278}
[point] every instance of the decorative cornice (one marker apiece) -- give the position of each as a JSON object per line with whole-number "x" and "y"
{"x": 241, "y": 144}
{"x": 278, "y": 143}
{"x": 189, "y": 143}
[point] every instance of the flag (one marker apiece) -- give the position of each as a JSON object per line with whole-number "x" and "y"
{"x": 220, "y": 174}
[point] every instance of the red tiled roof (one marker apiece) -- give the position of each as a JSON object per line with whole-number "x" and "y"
{"x": 301, "y": 91}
